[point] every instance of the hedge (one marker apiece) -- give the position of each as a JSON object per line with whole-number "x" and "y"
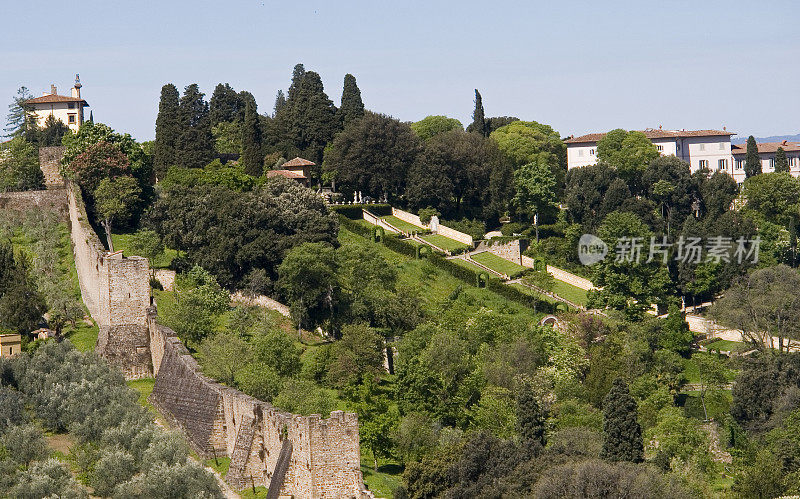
{"x": 352, "y": 226}
{"x": 354, "y": 211}
{"x": 514, "y": 294}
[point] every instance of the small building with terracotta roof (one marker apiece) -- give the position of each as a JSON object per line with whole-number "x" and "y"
{"x": 709, "y": 149}
{"x": 10, "y": 345}
{"x": 299, "y": 165}
{"x": 766, "y": 152}
{"x": 67, "y": 108}
{"x": 294, "y": 175}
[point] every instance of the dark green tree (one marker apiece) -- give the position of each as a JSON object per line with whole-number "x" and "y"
{"x": 19, "y": 166}
{"x": 280, "y": 102}
{"x": 312, "y": 119}
{"x": 21, "y": 305}
{"x": 352, "y": 107}
{"x": 478, "y": 124}
{"x": 675, "y": 333}
{"x": 622, "y": 435}
{"x": 496, "y": 122}
{"x": 20, "y": 121}
{"x": 251, "y": 160}
{"x": 531, "y": 418}
{"x": 195, "y": 144}
{"x": 752, "y": 162}
{"x": 52, "y": 132}
{"x": 168, "y": 128}
{"x": 225, "y": 104}
{"x": 781, "y": 163}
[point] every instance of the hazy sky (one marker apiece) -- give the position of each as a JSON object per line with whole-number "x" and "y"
{"x": 578, "y": 66}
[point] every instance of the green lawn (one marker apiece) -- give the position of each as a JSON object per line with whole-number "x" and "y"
{"x": 530, "y": 292}
{"x": 123, "y": 242}
{"x": 145, "y": 388}
{"x": 83, "y": 336}
{"x": 467, "y": 264}
{"x": 403, "y": 225}
{"x": 499, "y": 264}
{"x": 383, "y": 482}
{"x": 220, "y": 465}
{"x": 569, "y": 292}
{"x": 444, "y": 242}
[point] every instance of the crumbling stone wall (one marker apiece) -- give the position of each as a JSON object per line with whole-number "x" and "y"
{"x": 50, "y": 163}
{"x": 54, "y": 201}
{"x": 511, "y": 250}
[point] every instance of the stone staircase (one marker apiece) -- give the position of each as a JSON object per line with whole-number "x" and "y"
{"x": 241, "y": 453}
{"x": 281, "y": 467}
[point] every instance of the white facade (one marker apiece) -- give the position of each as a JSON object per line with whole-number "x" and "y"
{"x": 68, "y": 109}
{"x": 766, "y": 153}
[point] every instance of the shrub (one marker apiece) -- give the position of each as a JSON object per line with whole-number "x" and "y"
{"x": 426, "y": 214}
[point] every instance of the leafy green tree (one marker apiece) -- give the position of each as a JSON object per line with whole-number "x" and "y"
{"x": 372, "y": 155}
{"x": 307, "y": 278}
{"x": 352, "y": 107}
{"x": 275, "y": 349}
{"x": 115, "y": 201}
{"x": 622, "y": 435}
{"x": 524, "y": 142}
{"x": 49, "y": 478}
{"x": 589, "y": 194}
{"x": 223, "y": 355}
{"x": 763, "y": 478}
{"x": 414, "y": 437}
{"x": 181, "y": 480}
{"x": 21, "y": 305}
{"x": 531, "y": 417}
{"x": 667, "y": 181}
{"x": 357, "y": 356}
{"x": 194, "y": 146}
{"x": 20, "y": 121}
{"x": 305, "y": 397}
{"x": 629, "y": 152}
{"x": 496, "y": 122}
{"x": 774, "y": 195}
{"x": 712, "y": 374}
{"x": 280, "y": 102}
{"x": 718, "y": 194}
{"x": 25, "y": 444}
{"x": 752, "y": 161}
{"x": 311, "y": 118}
{"x": 19, "y": 166}
{"x": 101, "y": 161}
{"x": 478, "y": 124}
{"x": 781, "y": 163}
{"x": 675, "y": 333}
{"x": 535, "y": 190}
{"x": 259, "y": 380}
{"x": 113, "y": 468}
{"x": 227, "y": 137}
{"x": 377, "y": 418}
{"x": 147, "y": 243}
{"x": 168, "y": 128}
{"x": 251, "y": 159}
{"x": 431, "y": 126}
{"x": 52, "y": 131}
{"x": 772, "y": 307}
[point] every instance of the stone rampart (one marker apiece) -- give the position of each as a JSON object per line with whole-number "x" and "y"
{"x": 53, "y": 200}
{"x": 50, "y": 163}
{"x": 216, "y": 419}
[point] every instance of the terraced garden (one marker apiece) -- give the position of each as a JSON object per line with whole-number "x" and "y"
{"x": 444, "y": 242}
{"x": 402, "y": 224}
{"x": 499, "y": 264}
{"x": 569, "y": 292}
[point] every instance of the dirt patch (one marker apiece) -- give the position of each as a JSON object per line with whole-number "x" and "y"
{"x": 61, "y": 442}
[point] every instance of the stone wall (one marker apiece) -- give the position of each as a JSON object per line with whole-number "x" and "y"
{"x": 50, "y": 163}
{"x": 511, "y": 250}
{"x": 216, "y": 419}
{"x": 569, "y": 278}
{"x": 442, "y": 229}
{"x": 53, "y": 200}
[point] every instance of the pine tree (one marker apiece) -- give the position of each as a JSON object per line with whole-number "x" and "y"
{"x": 781, "y": 163}
{"x": 167, "y": 130}
{"x": 280, "y": 102}
{"x": 352, "y": 106}
{"x": 298, "y": 73}
{"x": 251, "y": 159}
{"x": 622, "y": 435}
{"x": 20, "y": 121}
{"x": 195, "y": 144}
{"x": 752, "y": 162}
{"x": 478, "y": 124}
{"x": 530, "y": 416}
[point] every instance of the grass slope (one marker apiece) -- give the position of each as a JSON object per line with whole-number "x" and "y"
{"x": 444, "y": 242}
{"x": 569, "y": 292}
{"x": 499, "y": 264}
{"x": 123, "y": 242}
{"x": 402, "y": 224}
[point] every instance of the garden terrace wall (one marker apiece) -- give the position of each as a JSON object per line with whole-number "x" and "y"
{"x": 50, "y": 164}
{"x": 52, "y": 200}
{"x": 442, "y": 230}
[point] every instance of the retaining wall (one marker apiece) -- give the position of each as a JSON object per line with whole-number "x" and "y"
{"x": 511, "y": 250}
{"x": 442, "y": 230}
{"x": 50, "y": 163}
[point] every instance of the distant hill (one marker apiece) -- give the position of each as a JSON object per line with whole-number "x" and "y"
{"x": 772, "y": 138}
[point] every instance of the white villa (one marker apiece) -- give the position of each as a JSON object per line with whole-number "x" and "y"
{"x": 766, "y": 152}
{"x": 709, "y": 149}
{"x": 68, "y": 109}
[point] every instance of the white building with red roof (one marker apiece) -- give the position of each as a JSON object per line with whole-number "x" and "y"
{"x": 67, "y": 108}
{"x": 766, "y": 153}
{"x": 709, "y": 149}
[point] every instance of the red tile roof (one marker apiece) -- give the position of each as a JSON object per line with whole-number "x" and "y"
{"x": 767, "y": 147}
{"x": 651, "y": 133}
{"x": 284, "y": 173}
{"x": 298, "y": 162}
{"x": 53, "y": 98}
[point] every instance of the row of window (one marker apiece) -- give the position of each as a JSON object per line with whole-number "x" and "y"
{"x": 792, "y": 160}
{"x": 580, "y": 152}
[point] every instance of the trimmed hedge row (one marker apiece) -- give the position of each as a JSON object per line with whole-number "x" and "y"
{"x": 353, "y": 211}
{"x": 464, "y": 274}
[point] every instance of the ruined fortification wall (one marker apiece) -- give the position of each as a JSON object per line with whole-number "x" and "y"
{"x": 54, "y": 201}
{"x": 50, "y": 163}
{"x": 325, "y": 453}
{"x": 88, "y": 251}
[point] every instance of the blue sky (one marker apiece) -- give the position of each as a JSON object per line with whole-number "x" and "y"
{"x": 579, "y": 66}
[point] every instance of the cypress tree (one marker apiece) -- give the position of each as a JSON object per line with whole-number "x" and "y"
{"x": 298, "y": 73}
{"x": 195, "y": 144}
{"x": 478, "y": 124}
{"x": 243, "y": 98}
{"x": 251, "y": 159}
{"x": 530, "y": 416}
{"x": 752, "y": 162}
{"x": 280, "y": 102}
{"x": 167, "y": 130}
{"x": 352, "y": 106}
{"x": 781, "y": 163}
{"x": 312, "y": 119}
{"x": 622, "y": 435}
{"x": 224, "y": 104}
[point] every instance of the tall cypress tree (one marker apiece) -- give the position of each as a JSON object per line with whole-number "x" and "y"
{"x": 622, "y": 435}
{"x": 167, "y": 130}
{"x": 478, "y": 124}
{"x": 195, "y": 144}
{"x": 298, "y": 73}
{"x": 752, "y": 162}
{"x": 251, "y": 159}
{"x": 280, "y": 102}
{"x": 312, "y": 117}
{"x": 224, "y": 104}
{"x": 781, "y": 163}
{"x": 352, "y": 106}
{"x": 530, "y": 416}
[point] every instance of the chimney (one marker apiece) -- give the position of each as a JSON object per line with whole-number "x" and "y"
{"x": 53, "y": 89}
{"x": 76, "y": 90}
